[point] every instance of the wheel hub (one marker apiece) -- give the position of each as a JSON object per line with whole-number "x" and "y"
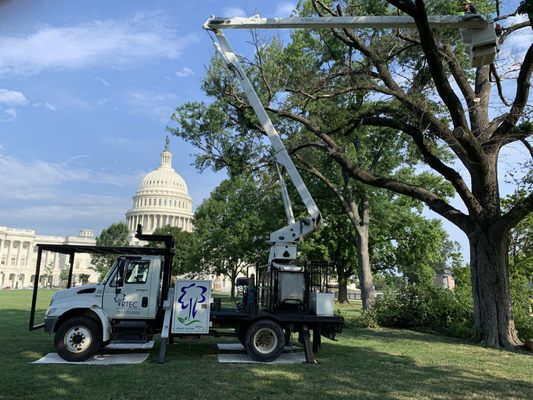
{"x": 265, "y": 341}
{"x": 78, "y": 339}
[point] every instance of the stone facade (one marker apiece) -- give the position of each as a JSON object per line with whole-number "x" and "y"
{"x": 18, "y": 256}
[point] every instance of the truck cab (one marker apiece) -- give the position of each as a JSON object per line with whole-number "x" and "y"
{"x": 123, "y": 307}
{"x": 126, "y": 306}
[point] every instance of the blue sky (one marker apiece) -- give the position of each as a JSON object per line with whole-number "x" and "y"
{"x": 86, "y": 90}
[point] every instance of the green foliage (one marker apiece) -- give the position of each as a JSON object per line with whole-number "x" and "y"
{"x": 84, "y": 278}
{"x": 405, "y": 242}
{"x": 187, "y": 255}
{"x": 521, "y": 261}
{"x": 233, "y": 223}
{"x": 63, "y": 275}
{"x": 426, "y": 308}
{"x": 366, "y": 319}
{"x": 521, "y": 296}
{"x": 116, "y": 234}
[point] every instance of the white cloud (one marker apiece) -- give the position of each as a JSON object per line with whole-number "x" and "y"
{"x": 234, "y": 12}
{"x": 46, "y": 104}
{"x": 38, "y": 194}
{"x": 103, "y": 81}
{"x": 11, "y": 112}
{"x": 112, "y": 43}
{"x": 32, "y": 180}
{"x": 284, "y": 9}
{"x": 184, "y": 72}
{"x": 12, "y": 97}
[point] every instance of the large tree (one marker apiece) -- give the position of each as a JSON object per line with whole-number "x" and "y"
{"x": 428, "y": 110}
{"x": 417, "y": 82}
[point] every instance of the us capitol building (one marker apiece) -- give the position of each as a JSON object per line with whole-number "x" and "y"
{"x": 162, "y": 199}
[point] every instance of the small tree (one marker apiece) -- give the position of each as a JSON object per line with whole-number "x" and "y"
{"x": 84, "y": 278}
{"x": 232, "y": 225}
{"x": 114, "y": 235}
{"x": 63, "y": 275}
{"x": 186, "y": 250}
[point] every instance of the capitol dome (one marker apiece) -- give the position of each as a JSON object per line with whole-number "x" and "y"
{"x": 163, "y": 199}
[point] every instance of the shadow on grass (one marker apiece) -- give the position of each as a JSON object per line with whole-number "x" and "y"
{"x": 364, "y": 364}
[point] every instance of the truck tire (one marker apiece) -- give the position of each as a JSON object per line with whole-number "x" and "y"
{"x": 78, "y": 339}
{"x": 265, "y": 341}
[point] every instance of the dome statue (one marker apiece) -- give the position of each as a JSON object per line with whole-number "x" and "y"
{"x": 162, "y": 199}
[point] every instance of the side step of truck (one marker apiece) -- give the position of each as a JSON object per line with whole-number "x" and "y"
{"x": 117, "y": 345}
{"x": 131, "y": 332}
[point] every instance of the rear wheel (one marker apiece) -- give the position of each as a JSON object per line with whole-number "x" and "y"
{"x": 77, "y": 339}
{"x": 265, "y": 341}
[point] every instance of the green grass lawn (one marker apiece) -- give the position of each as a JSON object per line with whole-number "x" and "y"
{"x": 363, "y": 364}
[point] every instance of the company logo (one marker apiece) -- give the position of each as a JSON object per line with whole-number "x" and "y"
{"x": 121, "y": 302}
{"x": 191, "y": 296}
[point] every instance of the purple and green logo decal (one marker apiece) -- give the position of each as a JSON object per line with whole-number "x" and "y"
{"x": 191, "y": 297}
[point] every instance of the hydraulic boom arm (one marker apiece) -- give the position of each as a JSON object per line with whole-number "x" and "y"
{"x": 283, "y": 240}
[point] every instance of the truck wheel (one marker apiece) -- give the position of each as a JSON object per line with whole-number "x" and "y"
{"x": 265, "y": 341}
{"x": 77, "y": 339}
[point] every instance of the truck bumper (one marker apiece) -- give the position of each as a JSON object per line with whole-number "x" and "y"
{"x": 50, "y": 324}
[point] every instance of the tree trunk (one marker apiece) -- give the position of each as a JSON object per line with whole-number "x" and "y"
{"x": 343, "y": 285}
{"x": 366, "y": 281}
{"x": 233, "y": 277}
{"x": 490, "y": 288}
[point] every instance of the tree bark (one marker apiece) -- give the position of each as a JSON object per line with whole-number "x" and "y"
{"x": 490, "y": 288}
{"x": 366, "y": 280}
{"x": 343, "y": 285}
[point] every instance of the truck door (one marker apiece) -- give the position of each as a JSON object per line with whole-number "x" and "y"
{"x": 128, "y": 294}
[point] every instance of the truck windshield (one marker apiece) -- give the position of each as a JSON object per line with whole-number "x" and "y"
{"x": 109, "y": 273}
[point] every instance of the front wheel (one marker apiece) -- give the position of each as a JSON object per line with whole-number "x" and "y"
{"x": 77, "y": 339}
{"x": 265, "y": 341}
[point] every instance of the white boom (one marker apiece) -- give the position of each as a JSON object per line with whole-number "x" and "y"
{"x": 477, "y": 30}
{"x": 476, "y": 21}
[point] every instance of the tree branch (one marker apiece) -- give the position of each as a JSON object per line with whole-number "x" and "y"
{"x": 433, "y": 161}
{"x": 433, "y": 57}
{"x": 511, "y": 29}
{"x": 515, "y": 214}
{"x": 523, "y": 85}
{"x": 458, "y": 74}
{"x": 430, "y": 199}
{"x": 498, "y": 81}
{"x": 354, "y": 214}
{"x": 528, "y": 146}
